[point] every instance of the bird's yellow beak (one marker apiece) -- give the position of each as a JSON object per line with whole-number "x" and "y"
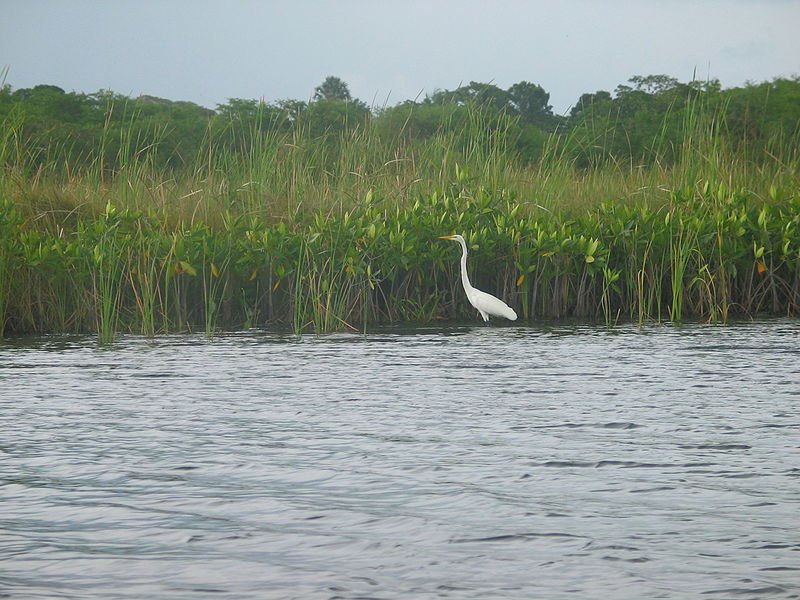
{"x": 446, "y": 237}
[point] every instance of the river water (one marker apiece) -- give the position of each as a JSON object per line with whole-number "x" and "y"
{"x": 442, "y": 462}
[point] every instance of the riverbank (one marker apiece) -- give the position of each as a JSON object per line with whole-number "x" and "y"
{"x": 340, "y": 232}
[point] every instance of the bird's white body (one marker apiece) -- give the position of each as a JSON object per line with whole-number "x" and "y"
{"x": 486, "y": 304}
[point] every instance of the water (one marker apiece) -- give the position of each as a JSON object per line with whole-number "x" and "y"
{"x": 458, "y": 462}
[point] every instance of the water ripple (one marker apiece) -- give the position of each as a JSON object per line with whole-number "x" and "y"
{"x": 451, "y": 462}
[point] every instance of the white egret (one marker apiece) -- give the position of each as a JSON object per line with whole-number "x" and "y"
{"x": 485, "y": 303}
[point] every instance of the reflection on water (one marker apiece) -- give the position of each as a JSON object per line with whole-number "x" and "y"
{"x": 453, "y": 462}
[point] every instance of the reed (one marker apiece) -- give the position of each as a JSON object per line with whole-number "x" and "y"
{"x": 9, "y": 225}
{"x": 109, "y": 247}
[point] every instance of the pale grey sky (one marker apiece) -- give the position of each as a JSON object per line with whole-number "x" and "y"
{"x": 208, "y": 51}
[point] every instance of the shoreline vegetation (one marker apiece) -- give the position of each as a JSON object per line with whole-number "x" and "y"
{"x": 665, "y": 201}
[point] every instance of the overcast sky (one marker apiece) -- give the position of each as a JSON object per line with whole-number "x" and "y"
{"x": 208, "y": 51}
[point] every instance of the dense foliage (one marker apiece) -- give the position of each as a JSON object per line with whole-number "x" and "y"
{"x": 710, "y": 253}
{"x": 661, "y": 201}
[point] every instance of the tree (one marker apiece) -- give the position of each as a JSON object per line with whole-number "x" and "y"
{"x": 587, "y": 101}
{"x": 484, "y": 94}
{"x": 292, "y": 108}
{"x": 333, "y": 116}
{"x": 332, "y": 88}
{"x": 654, "y": 84}
{"x": 530, "y": 102}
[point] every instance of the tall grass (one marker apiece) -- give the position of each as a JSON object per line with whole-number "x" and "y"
{"x": 339, "y": 232}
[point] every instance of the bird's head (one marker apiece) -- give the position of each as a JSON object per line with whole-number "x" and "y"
{"x": 455, "y": 237}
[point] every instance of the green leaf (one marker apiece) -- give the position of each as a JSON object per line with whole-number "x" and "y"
{"x": 185, "y": 267}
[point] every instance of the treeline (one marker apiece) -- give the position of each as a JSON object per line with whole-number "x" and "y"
{"x": 644, "y": 121}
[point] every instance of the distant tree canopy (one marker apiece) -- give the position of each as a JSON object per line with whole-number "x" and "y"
{"x": 530, "y": 102}
{"x": 644, "y": 119}
{"x": 526, "y": 100}
{"x": 332, "y": 88}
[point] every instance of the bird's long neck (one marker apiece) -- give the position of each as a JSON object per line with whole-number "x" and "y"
{"x": 464, "y": 275}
